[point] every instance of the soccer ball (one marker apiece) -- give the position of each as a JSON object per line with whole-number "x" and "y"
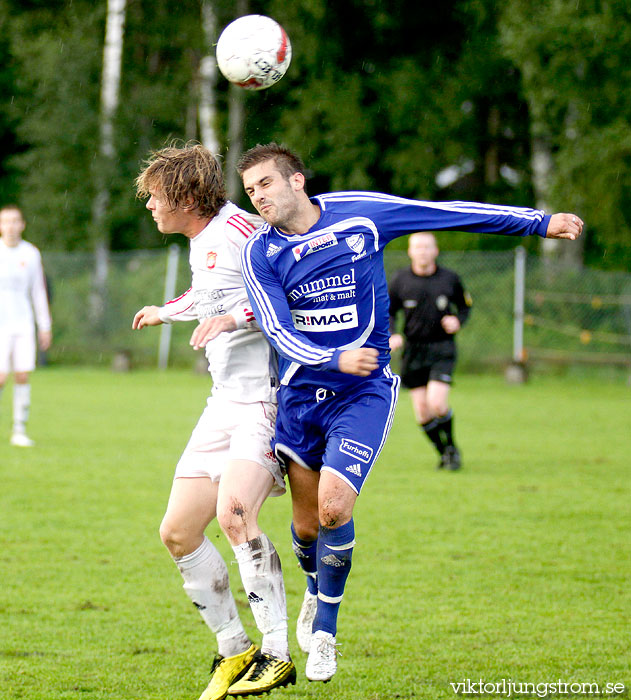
{"x": 253, "y": 52}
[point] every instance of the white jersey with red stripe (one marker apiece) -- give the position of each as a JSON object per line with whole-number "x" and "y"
{"x": 242, "y": 364}
{"x": 23, "y": 298}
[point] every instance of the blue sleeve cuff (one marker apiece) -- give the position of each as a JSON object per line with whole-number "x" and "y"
{"x": 543, "y": 226}
{"x": 333, "y": 363}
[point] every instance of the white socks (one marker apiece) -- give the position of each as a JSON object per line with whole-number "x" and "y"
{"x": 262, "y": 576}
{"x": 21, "y": 406}
{"x": 206, "y": 583}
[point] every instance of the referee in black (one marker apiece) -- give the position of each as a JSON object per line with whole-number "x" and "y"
{"x": 435, "y": 307}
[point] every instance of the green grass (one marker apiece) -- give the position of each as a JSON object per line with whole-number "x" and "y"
{"x": 516, "y": 568}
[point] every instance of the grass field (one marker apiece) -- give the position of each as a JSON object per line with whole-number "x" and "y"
{"x": 516, "y": 568}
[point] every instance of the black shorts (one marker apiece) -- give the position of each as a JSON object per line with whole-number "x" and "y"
{"x": 428, "y": 361}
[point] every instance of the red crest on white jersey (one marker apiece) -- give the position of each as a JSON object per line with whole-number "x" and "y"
{"x": 211, "y": 259}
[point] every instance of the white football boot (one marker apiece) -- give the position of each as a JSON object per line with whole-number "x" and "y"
{"x": 305, "y": 621}
{"x": 322, "y": 661}
{"x": 21, "y": 440}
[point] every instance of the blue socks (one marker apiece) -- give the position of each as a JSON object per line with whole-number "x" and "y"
{"x": 306, "y": 553}
{"x": 334, "y": 556}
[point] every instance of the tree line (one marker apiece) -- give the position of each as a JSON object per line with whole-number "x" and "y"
{"x": 522, "y": 102}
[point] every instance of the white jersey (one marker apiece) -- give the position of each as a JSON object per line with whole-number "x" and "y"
{"x": 242, "y": 363}
{"x": 23, "y": 298}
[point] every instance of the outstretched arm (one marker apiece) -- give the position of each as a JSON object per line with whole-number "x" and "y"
{"x": 397, "y": 216}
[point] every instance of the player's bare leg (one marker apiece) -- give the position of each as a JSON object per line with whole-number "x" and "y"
{"x": 437, "y": 402}
{"x": 3, "y": 381}
{"x": 244, "y": 486}
{"x": 304, "y": 530}
{"x": 432, "y": 412}
{"x": 437, "y": 398}
{"x": 192, "y": 506}
{"x": 21, "y": 409}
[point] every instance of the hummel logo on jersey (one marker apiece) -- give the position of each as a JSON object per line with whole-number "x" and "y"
{"x": 301, "y": 250}
{"x": 354, "y": 469}
{"x": 272, "y": 250}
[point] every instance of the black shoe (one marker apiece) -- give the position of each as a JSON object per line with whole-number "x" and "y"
{"x": 452, "y": 458}
{"x": 443, "y": 463}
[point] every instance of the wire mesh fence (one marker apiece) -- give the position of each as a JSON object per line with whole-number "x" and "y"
{"x": 570, "y": 315}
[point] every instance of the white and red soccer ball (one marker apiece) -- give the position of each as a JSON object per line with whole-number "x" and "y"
{"x": 253, "y": 52}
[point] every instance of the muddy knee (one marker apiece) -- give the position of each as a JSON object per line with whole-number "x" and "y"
{"x": 235, "y": 521}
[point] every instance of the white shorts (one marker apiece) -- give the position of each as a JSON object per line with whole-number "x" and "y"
{"x": 17, "y": 352}
{"x": 229, "y": 430}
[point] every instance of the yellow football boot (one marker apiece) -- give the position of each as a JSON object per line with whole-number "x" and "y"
{"x": 225, "y": 671}
{"x": 265, "y": 673}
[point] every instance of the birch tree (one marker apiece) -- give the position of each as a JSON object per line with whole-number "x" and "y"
{"x": 207, "y": 110}
{"x": 236, "y": 121}
{"x": 110, "y": 91}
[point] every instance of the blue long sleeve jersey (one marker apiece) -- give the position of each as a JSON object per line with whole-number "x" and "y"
{"x": 323, "y": 292}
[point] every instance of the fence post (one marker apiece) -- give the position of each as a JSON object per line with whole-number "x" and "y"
{"x": 518, "y": 308}
{"x": 169, "y": 292}
{"x": 516, "y": 372}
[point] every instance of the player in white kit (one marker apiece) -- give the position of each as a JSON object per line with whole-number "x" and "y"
{"x": 23, "y": 303}
{"x": 228, "y": 468}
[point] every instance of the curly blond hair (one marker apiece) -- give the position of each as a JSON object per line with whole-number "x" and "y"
{"x": 189, "y": 177}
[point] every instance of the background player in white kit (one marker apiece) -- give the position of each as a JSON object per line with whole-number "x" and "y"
{"x": 23, "y": 303}
{"x": 227, "y": 469}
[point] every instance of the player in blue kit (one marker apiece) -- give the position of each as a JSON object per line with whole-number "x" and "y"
{"x": 314, "y": 273}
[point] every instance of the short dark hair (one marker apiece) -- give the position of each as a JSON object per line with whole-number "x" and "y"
{"x": 287, "y": 162}
{"x": 181, "y": 174}
{"x": 12, "y": 207}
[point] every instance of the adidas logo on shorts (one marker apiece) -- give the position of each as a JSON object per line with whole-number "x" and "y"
{"x": 354, "y": 469}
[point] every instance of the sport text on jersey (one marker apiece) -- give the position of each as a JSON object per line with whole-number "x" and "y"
{"x": 207, "y": 302}
{"x": 303, "y": 249}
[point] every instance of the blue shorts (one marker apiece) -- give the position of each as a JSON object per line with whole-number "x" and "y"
{"x": 341, "y": 432}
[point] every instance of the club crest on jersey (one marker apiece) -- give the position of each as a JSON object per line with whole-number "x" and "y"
{"x": 357, "y": 450}
{"x": 301, "y": 250}
{"x": 442, "y": 302}
{"x": 211, "y": 259}
{"x": 272, "y": 250}
{"x": 356, "y": 242}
